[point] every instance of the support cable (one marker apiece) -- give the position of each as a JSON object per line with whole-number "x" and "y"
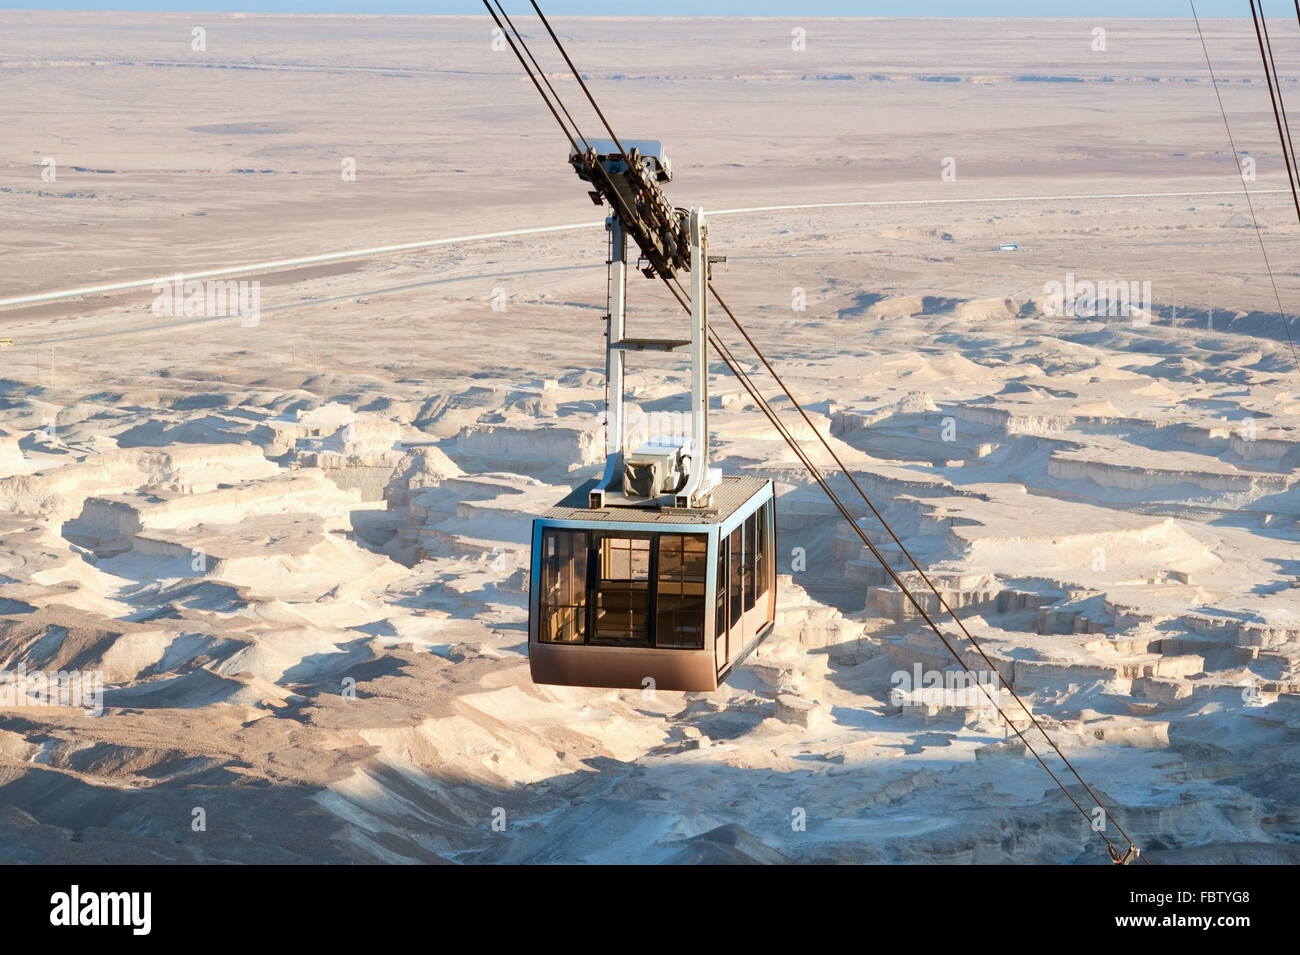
{"x": 1232, "y": 145}
{"x": 818, "y": 476}
{"x": 734, "y": 366}
{"x": 578, "y": 76}
{"x": 520, "y": 58}
{"x": 1277, "y": 78}
{"x": 542, "y": 74}
{"x": 1273, "y": 98}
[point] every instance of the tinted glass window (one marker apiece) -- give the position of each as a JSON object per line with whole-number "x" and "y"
{"x": 622, "y": 595}
{"x": 564, "y": 587}
{"x": 720, "y": 609}
{"x": 751, "y": 558}
{"x": 736, "y": 575}
{"x": 680, "y": 592}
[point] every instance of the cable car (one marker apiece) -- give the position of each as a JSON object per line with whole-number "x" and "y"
{"x": 661, "y": 572}
{"x": 627, "y": 595}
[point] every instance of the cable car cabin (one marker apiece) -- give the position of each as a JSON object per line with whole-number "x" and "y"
{"x": 662, "y": 569}
{"x": 676, "y": 595}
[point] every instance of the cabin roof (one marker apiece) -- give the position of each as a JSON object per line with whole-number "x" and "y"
{"x": 728, "y": 497}
{"x": 607, "y": 151}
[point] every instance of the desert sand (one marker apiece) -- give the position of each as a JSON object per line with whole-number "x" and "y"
{"x": 297, "y": 550}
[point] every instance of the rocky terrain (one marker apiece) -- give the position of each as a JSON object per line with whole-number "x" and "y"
{"x": 296, "y": 551}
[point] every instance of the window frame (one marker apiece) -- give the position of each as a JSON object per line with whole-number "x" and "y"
{"x": 750, "y": 559}
{"x": 680, "y": 601}
{"x": 578, "y": 557}
{"x": 764, "y": 551}
{"x": 597, "y": 559}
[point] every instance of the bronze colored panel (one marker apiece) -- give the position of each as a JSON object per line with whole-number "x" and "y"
{"x": 622, "y": 667}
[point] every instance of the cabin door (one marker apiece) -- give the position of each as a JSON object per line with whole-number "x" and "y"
{"x": 736, "y": 593}
{"x": 720, "y": 607}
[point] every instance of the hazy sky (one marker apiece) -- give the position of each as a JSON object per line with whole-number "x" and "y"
{"x": 782, "y": 8}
